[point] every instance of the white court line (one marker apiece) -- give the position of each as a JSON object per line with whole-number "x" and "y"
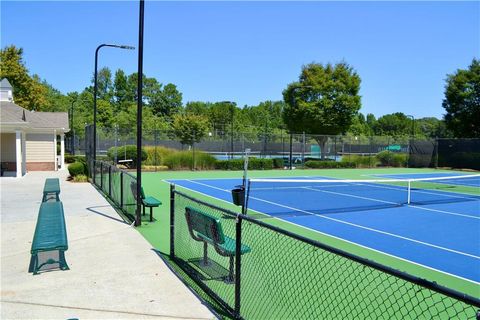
{"x": 327, "y": 234}
{"x": 352, "y": 224}
{"x": 429, "y": 209}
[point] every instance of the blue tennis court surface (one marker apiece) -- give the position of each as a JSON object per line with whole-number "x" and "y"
{"x": 439, "y": 229}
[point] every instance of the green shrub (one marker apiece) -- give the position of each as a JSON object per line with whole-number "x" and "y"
{"x": 386, "y": 158}
{"x": 77, "y": 168}
{"x": 361, "y": 161}
{"x": 69, "y": 158}
{"x": 128, "y": 152}
{"x": 184, "y": 160}
{"x": 318, "y": 164}
{"x": 253, "y": 164}
{"x": 81, "y": 159}
{"x": 80, "y": 178}
{"x": 156, "y": 156}
{"x": 400, "y": 160}
{"x": 278, "y": 163}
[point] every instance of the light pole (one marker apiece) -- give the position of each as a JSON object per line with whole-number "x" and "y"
{"x": 413, "y": 137}
{"x": 413, "y": 125}
{"x": 291, "y": 134}
{"x": 232, "y": 111}
{"x": 72, "y": 128}
{"x": 141, "y": 19}
{"x": 95, "y": 95}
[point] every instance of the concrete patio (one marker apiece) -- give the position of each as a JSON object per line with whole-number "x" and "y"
{"x": 114, "y": 273}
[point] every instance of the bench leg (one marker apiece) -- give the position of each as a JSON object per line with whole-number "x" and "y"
{"x": 33, "y": 264}
{"x": 63, "y": 262}
{"x": 151, "y": 214}
{"x": 205, "y": 255}
{"x": 143, "y": 209}
{"x": 230, "y": 271}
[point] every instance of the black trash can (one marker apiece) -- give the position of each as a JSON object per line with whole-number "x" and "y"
{"x": 238, "y": 195}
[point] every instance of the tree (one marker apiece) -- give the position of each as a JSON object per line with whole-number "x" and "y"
{"x": 324, "y": 101}
{"x": 120, "y": 90}
{"x": 167, "y": 102}
{"x": 189, "y": 128}
{"x": 395, "y": 125}
{"x": 28, "y": 92}
{"x": 197, "y": 107}
{"x": 462, "y": 102}
{"x": 104, "y": 84}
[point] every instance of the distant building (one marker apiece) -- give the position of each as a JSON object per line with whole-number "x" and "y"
{"x": 28, "y": 139}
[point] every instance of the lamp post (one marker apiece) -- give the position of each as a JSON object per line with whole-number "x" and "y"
{"x": 141, "y": 24}
{"x": 413, "y": 125}
{"x": 232, "y": 111}
{"x": 72, "y": 128}
{"x": 291, "y": 134}
{"x": 413, "y": 137}
{"x": 95, "y": 95}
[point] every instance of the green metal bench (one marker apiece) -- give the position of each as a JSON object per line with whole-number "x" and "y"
{"x": 147, "y": 202}
{"x": 208, "y": 229}
{"x": 50, "y": 239}
{"x": 52, "y": 186}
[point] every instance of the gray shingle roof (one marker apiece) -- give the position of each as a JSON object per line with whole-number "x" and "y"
{"x": 4, "y": 84}
{"x": 11, "y": 113}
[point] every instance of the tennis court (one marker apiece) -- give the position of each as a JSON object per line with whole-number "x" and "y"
{"x": 431, "y": 220}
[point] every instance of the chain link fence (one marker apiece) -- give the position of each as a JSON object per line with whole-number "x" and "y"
{"x": 294, "y": 149}
{"x": 258, "y": 271}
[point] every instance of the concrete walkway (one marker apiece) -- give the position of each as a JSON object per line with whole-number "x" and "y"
{"x": 114, "y": 273}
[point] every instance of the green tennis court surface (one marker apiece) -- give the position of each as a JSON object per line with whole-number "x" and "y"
{"x": 158, "y": 234}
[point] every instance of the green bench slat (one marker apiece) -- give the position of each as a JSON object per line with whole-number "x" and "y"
{"x": 151, "y": 202}
{"x": 52, "y": 185}
{"x": 209, "y": 229}
{"x": 50, "y": 232}
{"x": 228, "y": 245}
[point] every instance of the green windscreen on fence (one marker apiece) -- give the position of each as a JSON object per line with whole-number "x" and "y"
{"x": 285, "y": 276}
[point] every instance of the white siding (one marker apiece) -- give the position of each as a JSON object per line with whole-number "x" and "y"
{"x": 7, "y": 147}
{"x": 40, "y": 147}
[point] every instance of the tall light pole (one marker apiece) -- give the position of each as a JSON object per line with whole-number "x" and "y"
{"x": 95, "y": 95}
{"x": 413, "y": 125}
{"x": 72, "y": 128}
{"x": 141, "y": 20}
{"x": 291, "y": 134}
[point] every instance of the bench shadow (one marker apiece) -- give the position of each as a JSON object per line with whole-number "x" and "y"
{"x": 92, "y": 209}
{"x": 202, "y": 296}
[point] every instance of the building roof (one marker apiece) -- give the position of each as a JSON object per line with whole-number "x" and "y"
{"x": 4, "y": 84}
{"x": 10, "y": 113}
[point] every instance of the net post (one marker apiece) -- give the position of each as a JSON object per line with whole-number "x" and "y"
{"x": 238, "y": 255}
{"x": 409, "y": 191}
{"x": 172, "y": 220}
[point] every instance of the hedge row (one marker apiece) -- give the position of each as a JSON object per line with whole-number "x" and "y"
{"x": 317, "y": 164}
{"x": 237, "y": 164}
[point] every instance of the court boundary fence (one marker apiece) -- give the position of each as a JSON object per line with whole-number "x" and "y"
{"x": 115, "y": 184}
{"x": 419, "y": 298}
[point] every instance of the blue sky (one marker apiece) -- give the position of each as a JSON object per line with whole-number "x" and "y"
{"x": 249, "y": 51}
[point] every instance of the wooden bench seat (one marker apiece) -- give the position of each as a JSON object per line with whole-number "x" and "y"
{"x": 50, "y": 239}
{"x": 208, "y": 229}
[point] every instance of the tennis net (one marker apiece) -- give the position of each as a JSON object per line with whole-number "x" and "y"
{"x": 293, "y": 196}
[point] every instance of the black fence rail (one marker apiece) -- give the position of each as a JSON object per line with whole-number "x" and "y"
{"x": 258, "y": 271}
{"x": 116, "y": 184}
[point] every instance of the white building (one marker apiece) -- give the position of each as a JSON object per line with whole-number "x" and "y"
{"x": 28, "y": 139}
